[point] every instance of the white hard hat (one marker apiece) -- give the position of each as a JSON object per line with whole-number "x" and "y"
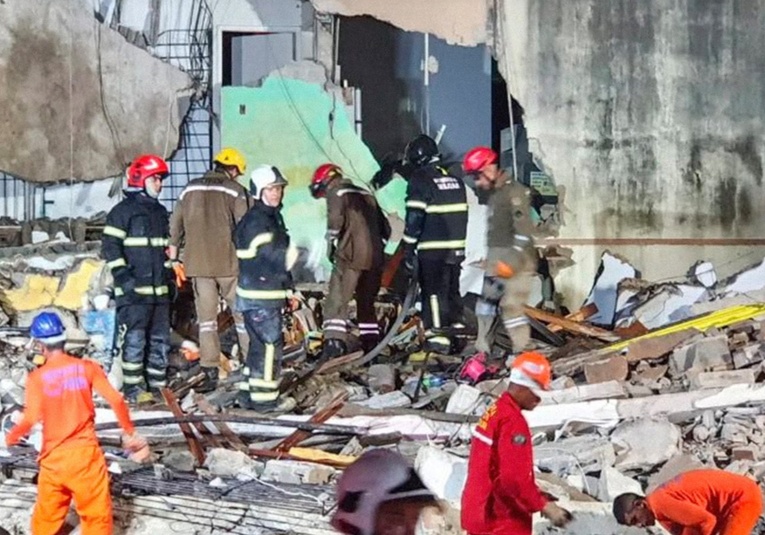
{"x": 263, "y": 176}
{"x": 376, "y": 477}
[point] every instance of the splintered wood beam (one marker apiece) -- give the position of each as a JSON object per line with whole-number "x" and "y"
{"x": 233, "y": 439}
{"x": 571, "y": 326}
{"x": 319, "y": 417}
{"x": 580, "y": 315}
{"x": 188, "y": 433}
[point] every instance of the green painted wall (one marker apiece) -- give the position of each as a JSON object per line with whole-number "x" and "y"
{"x": 285, "y": 123}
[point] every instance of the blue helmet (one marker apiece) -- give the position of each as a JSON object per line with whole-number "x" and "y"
{"x": 47, "y": 328}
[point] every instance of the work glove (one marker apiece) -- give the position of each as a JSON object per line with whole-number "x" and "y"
{"x": 558, "y": 516}
{"x": 137, "y": 447}
{"x": 179, "y": 270}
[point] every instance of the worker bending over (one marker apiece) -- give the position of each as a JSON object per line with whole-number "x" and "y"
{"x": 511, "y": 259}
{"x": 134, "y": 242}
{"x": 380, "y": 494}
{"x": 357, "y": 231}
{"x": 501, "y": 493}
{"x": 698, "y": 502}
{"x": 203, "y": 222}
{"x": 434, "y": 235}
{"x": 72, "y": 466}
{"x": 265, "y": 283}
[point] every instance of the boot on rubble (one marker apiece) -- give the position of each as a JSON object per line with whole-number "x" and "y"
{"x": 333, "y": 348}
{"x": 210, "y": 382}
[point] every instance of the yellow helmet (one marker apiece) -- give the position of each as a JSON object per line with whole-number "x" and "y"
{"x": 232, "y": 157}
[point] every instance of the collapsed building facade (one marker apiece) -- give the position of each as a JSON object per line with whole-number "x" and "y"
{"x": 647, "y": 116}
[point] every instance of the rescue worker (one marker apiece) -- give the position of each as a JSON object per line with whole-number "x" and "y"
{"x": 511, "y": 258}
{"x": 203, "y": 222}
{"x": 59, "y": 394}
{"x": 501, "y": 493}
{"x": 703, "y": 502}
{"x": 265, "y": 257}
{"x": 357, "y": 231}
{"x": 380, "y": 494}
{"x": 134, "y": 242}
{"x": 434, "y": 235}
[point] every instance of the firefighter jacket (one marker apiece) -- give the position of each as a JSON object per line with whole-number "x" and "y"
{"x": 133, "y": 245}
{"x": 436, "y": 214}
{"x": 204, "y": 220}
{"x": 501, "y": 494}
{"x": 357, "y": 225}
{"x": 261, "y": 241}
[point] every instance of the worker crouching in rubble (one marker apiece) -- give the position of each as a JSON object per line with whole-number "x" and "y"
{"x": 357, "y": 231}
{"x": 134, "y": 242}
{"x": 434, "y": 236}
{"x": 203, "y": 221}
{"x": 511, "y": 259}
{"x": 701, "y": 502}
{"x": 501, "y": 493}
{"x": 265, "y": 257}
{"x": 380, "y": 494}
{"x": 72, "y": 466}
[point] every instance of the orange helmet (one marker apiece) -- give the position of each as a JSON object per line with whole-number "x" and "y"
{"x": 532, "y": 370}
{"x": 477, "y": 158}
{"x": 322, "y": 177}
{"x": 143, "y": 167}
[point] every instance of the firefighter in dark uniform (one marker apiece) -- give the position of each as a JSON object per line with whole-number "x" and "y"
{"x": 134, "y": 242}
{"x": 436, "y": 225}
{"x": 357, "y": 231}
{"x": 265, "y": 284}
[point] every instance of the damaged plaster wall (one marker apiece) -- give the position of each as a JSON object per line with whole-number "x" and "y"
{"x": 652, "y": 115}
{"x": 78, "y": 100}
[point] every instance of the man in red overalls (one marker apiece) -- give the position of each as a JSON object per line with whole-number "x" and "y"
{"x": 501, "y": 494}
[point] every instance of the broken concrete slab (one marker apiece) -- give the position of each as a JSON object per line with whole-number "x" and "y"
{"x": 612, "y": 483}
{"x": 297, "y": 472}
{"x": 179, "y": 461}
{"x": 443, "y": 473}
{"x": 672, "y": 468}
{"x": 748, "y": 355}
{"x": 229, "y": 463}
{"x": 613, "y": 369}
{"x": 612, "y": 270}
{"x": 604, "y": 390}
{"x": 721, "y": 379}
{"x": 707, "y": 353}
{"x": 645, "y": 443}
{"x": 589, "y": 453}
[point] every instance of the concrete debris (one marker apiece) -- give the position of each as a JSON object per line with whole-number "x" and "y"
{"x": 612, "y": 483}
{"x": 297, "y": 472}
{"x": 227, "y": 463}
{"x": 722, "y": 379}
{"x": 708, "y": 353}
{"x": 613, "y": 369}
{"x": 645, "y": 443}
{"x": 443, "y": 473}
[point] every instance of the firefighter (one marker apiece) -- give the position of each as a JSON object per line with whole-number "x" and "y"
{"x": 380, "y": 494}
{"x": 511, "y": 258}
{"x": 501, "y": 493}
{"x": 357, "y": 231}
{"x": 706, "y": 502}
{"x": 59, "y": 394}
{"x": 434, "y": 236}
{"x": 265, "y": 257}
{"x": 134, "y": 242}
{"x": 203, "y": 222}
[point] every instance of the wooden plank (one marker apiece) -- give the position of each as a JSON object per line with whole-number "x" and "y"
{"x": 273, "y": 454}
{"x": 339, "y": 362}
{"x": 319, "y": 417}
{"x": 571, "y": 326}
{"x": 580, "y": 315}
{"x": 234, "y": 440}
{"x": 188, "y": 433}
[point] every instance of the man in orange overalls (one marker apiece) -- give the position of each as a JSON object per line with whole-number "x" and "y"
{"x": 60, "y": 395}
{"x": 699, "y": 502}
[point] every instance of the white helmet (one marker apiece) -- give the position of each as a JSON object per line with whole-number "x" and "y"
{"x": 263, "y": 176}
{"x": 376, "y": 477}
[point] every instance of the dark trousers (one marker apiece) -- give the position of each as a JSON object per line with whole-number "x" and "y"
{"x": 143, "y": 342}
{"x": 440, "y": 288}
{"x": 264, "y": 357}
{"x": 344, "y": 283}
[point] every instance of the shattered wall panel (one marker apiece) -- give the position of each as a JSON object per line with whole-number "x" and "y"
{"x": 461, "y": 22}
{"x": 650, "y": 113}
{"x": 78, "y": 101}
{"x": 286, "y": 123}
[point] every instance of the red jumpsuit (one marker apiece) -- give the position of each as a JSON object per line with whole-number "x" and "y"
{"x": 501, "y": 494}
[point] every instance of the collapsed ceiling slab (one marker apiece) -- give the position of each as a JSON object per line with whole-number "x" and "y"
{"x": 459, "y": 22}
{"x": 78, "y": 101}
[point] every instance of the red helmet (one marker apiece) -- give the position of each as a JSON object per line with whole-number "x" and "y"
{"x": 143, "y": 167}
{"x": 477, "y": 158}
{"x": 322, "y": 177}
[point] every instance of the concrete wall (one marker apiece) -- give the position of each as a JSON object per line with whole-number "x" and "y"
{"x": 652, "y": 114}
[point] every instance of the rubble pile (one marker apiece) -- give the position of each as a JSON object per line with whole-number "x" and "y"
{"x": 650, "y": 380}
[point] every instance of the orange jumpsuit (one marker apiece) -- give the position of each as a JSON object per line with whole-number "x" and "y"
{"x": 707, "y": 502}
{"x": 60, "y": 395}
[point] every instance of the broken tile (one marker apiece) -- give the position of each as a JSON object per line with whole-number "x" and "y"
{"x": 745, "y": 453}
{"x": 613, "y": 369}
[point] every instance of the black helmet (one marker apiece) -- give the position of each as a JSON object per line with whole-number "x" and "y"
{"x": 421, "y": 150}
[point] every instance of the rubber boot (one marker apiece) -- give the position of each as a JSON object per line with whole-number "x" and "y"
{"x": 333, "y": 348}
{"x": 210, "y": 382}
